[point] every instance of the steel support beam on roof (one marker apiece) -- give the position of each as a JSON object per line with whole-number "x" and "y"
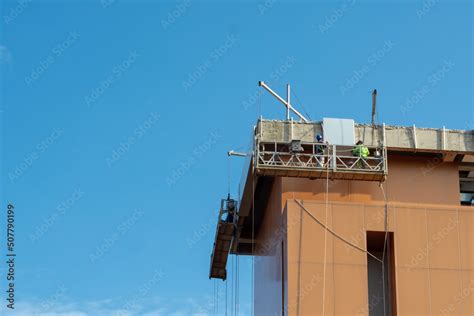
{"x": 285, "y": 103}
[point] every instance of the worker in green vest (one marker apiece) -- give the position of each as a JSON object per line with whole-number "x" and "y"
{"x": 360, "y": 150}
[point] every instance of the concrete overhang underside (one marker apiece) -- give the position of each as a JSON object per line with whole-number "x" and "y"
{"x": 253, "y": 201}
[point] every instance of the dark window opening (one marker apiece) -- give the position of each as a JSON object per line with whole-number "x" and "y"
{"x": 466, "y": 186}
{"x": 381, "y": 278}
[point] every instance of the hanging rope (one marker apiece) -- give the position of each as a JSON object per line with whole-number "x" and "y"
{"x": 384, "y": 245}
{"x": 232, "y": 287}
{"x": 336, "y": 234}
{"x": 259, "y": 103}
{"x": 236, "y": 283}
{"x": 214, "y": 305}
{"x": 238, "y": 286}
{"x": 253, "y": 247}
{"x": 253, "y": 229}
{"x": 228, "y": 176}
{"x": 325, "y": 236}
{"x": 301, "y": 104}
{"x": 226, "y": 296}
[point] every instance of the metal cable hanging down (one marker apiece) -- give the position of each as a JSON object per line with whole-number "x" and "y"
{"x": 215, "y": 303}
{"x": 237, "y": 285}
{"x": 228, "y": 175}
{"x": 336, "y": 234}
{"x": 286, "y": 103}
{"x": 225, "y": 297}
{"x": 327, "y": 229}
{"x": 253, "y": 247}
{"x": 385, "y": 244}
{"x": 232, "y": 287}
{"x": 325, "y": 238}
{"x": 302, "y": 105}
{"x": 253, "y": 220}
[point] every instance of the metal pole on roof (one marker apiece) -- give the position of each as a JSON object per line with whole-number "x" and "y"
{"x": 374, "y": 106}
{"x": 288, "y": 97}
{"x": 287, "y": 104}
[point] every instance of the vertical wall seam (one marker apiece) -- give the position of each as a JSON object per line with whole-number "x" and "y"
{"x": 395, "y": 255}
{"x": 460, "y": 258}
{"x": 428, "y": 260}
{"x": 333, "y": 270}
{"x": 298, "y": 293}
{"x": 366, "y": 261}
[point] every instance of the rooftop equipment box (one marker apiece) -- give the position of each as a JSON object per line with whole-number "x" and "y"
{"x": 339, "y": 131}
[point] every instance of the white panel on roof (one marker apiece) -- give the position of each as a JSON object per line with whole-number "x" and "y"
{"x": 339, "y": 131}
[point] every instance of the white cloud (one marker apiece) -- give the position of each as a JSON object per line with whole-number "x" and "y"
{"x": 106, "y": 308}
{"x": 59, "y": 309}
{"x": 59, "y": 305}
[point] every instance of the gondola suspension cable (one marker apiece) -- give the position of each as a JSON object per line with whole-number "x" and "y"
{"x": 336, "y": 234}
{"x": 325, "y": 237}
{"x": 384, "y": 246}
{"x": 226, "y": 285}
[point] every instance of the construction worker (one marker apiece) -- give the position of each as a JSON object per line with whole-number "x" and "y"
{"x": 361, "y": 151}
{"x": 230, "y": 210}
{"x": 320, "y": 150}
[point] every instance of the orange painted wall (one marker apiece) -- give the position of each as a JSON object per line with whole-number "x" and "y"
{"x": 433, "y": 258}
{"x": 433, "y": 237}
{"x": 410, "y": 180}
{"x": 268, "y": 259}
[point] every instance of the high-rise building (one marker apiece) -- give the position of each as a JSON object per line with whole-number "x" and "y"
{"x": 380, "y": 228}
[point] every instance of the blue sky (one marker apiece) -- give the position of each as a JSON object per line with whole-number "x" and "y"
{"x": 116, "y": 117}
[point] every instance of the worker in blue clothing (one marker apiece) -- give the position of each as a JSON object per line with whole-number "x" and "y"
{"x": 230, "y": 210}
{"x": 320, "y": 150}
